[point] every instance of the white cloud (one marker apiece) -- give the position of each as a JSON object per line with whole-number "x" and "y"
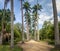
{"x": 58, "y": 5}
{"x": 44, "y": 17}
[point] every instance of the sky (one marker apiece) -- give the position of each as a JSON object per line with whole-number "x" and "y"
{"x": 46, "y": 13}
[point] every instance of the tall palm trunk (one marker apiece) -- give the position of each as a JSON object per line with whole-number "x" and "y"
{"x": 35, "y": 30}
{"x": 56, "y": 30}
{"x": 37, "y": 23}
{"x": 12, "y": 28}
{"x": 22, "y": 22}
{"x": 27, "y": 30}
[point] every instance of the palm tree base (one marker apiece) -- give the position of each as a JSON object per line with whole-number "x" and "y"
{"x": 57, "y": 46}
{"x": 11, "y": 47}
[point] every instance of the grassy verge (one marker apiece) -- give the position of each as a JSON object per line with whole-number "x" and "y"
{"x": 7, "y": 48}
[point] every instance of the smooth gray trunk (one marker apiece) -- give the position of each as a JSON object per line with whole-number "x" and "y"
{"x": 27, "y": 31}
{"x": 37, "y": 35}
{"x": 22, "y": 21}
{"x": 35, "y": 31}
{"x": 37, "y": 23}
{"x": 12, "y": 26}
{"x": 56, "y": 29}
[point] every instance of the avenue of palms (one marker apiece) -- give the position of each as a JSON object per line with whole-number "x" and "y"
{"x": 28, "y": 30}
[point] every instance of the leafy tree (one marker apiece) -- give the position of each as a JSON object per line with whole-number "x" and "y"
{"x": 36, "y": 8}
{"x": 47, "y": 32}
{"x": 26, "y": 7}
{"x": 17, "y": 32}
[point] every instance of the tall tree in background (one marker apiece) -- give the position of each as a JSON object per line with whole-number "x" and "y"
{"x": 35, "y": 13}
{"x": 27, "y": 8}
{"x": 12, "y": 27}
{"x": 22, "y": 21}
{"x": 37, "y": 23}
{"x": 56, "y": 29}
{"x": 3, "y": 26}
{"x": 34, "y": 24}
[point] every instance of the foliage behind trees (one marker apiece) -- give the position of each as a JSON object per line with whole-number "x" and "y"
{"x": 7, "y": 26}
{"x": 47, "y": 32}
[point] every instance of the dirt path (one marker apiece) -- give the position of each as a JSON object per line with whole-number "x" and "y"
{"x": 36, "y": 46}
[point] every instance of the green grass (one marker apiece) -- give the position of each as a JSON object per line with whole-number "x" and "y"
{"x": 7, "y": 48}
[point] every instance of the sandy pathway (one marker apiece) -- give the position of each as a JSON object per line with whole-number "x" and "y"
{"x": 36, "y": 46}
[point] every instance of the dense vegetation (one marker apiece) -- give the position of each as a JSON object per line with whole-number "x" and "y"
{"x": 7, "y": 29}
{"x": 11, "y": 33}
{"x": 47, "y": 32}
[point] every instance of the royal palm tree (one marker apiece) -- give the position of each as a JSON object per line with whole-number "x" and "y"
{"x": 22, "y": 21}
{"x": 37, "y": 23}
{"x": 35, "y": 13}
{"x": 12, "y": 18}
{"x": 26, "y": 7}
{"x": 34, "y": 24}
{"x": 56, "y": 29}
{"x": 28, "y": 22}
{"x": 12, "y": 27}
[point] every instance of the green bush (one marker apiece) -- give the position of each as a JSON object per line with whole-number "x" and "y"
{"x": 16, "y": 40}
{"x": 51, "y": 42}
